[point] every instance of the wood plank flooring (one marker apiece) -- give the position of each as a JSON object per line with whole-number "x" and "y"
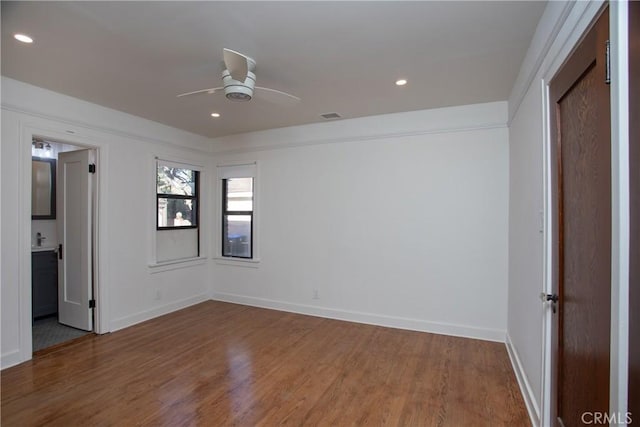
{"x": 219, "y": 364}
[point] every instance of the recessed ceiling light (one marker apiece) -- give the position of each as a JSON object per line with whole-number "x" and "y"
{"x": 401, "y": 82}
{"x": 23, "y": 38}
{"x": 216, "y": 115}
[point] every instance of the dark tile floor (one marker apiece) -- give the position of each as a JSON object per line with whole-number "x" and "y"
{"x": 48, "y": 332}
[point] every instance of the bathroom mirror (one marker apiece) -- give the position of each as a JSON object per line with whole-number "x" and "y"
{"x": 43, "y": 188}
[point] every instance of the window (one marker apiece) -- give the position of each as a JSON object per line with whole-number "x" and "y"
{"x": 237, "y": 219}
{"x": 178, "y": 204}
{"x": 177, "y": 197}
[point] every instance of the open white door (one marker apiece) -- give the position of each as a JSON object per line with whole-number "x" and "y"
{"x": 74, "y": 233}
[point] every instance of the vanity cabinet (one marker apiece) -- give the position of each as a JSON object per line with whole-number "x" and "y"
{"x": 44, "y": 283}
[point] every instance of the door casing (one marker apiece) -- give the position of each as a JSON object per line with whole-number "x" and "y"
{"x": 579, "y": 16}
{"x": 76, "y": 137}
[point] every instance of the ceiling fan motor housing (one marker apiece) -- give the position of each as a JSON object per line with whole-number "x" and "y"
{"x": 236, "y": 90}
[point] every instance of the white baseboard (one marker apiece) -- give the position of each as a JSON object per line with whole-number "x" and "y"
{"x": 133, "y": 319}
{"x": 368, "y": 318}
{"x": 530, "y": 400}
{"x": 9, "y": 359}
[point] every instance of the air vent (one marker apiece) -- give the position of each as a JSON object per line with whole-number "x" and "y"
{"x": 330, "y": 116}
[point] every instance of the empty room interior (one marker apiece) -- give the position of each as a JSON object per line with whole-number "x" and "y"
{"x": 414, "y": 213}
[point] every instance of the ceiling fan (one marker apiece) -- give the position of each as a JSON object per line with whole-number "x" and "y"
{"x": 238, "y": 82}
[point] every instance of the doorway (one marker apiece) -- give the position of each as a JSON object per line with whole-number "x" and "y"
{"x": 62, "y": 245}
{"x": 581, "y": 299}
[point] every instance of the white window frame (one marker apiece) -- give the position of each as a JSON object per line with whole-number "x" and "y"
{"x": 154, "y": 265}
{"x": 238, "y": 170}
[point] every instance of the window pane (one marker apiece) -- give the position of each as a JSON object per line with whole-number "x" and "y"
{"x": 240, "y": 194}
{"x": 237, "y": 236}
{"x": 177, "y": 212}
{"x": 176, "y": 181}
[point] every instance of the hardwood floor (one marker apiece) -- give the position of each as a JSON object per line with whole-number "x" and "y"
{"x": 219, "y": 364}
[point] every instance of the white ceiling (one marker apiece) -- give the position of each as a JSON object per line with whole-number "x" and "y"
{"x": 337, "y": 56}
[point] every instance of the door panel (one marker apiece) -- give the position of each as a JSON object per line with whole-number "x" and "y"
{"x": 581, "y": 130}
{"x": 74, "y": 231}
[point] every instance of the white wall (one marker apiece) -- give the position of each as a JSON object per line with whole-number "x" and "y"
{"x": 398, "y": 220}
{"x": 529, "y": 213}
{"x": 526, "y": 239}
{"x": 129, "y": 291}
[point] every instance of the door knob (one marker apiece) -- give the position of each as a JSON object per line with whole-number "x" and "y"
{"x": 550, "y": 297}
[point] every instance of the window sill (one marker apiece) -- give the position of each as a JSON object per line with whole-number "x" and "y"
{"x": 175, "y": 264}
{"x": 238, "y": 262}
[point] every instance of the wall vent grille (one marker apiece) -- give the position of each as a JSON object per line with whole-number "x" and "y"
{"x": 330, "y": 116}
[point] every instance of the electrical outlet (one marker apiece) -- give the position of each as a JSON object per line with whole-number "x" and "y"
{"x": 315, "y": 294}
{"x": 158, "y": 295}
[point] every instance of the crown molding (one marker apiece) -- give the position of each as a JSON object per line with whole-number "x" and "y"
{"x": 557, "y": 13}
{"x": 360, "y": 138}
{"x": 395, "y": 126}
{"x": 102, "y": 129}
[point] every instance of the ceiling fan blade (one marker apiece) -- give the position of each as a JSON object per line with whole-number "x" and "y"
{"x": 210, "y": 90}
{"x": 236, "y": 63}
{"x": 276, "y": 96}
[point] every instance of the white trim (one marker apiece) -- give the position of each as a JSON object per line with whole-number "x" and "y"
{"x": 25, "y": 341}
{"x": 235, "y": 165}
{"x": 447, "y": 120}
{"x": 89, "y": 126}
{"x": 15, "y": 104}
{"x": 179, "y": 164}
{"x": 27, "y": 131}
{"x": 176, "y": 264}
{"x": 153, "y": 209}
{"x": 102, "y": 310}
{"x": 466, "y": 331}
{"x": 555, "y": 15}
{"x": 529, "y": 396}
{"x": 133, "y": 319}
{"x": 237, "y": 262}
{"x": 361, "y": 138}
{"x": 156, "y": 161}
{"x": 10, "y": 359}
{"x": 217, "y": 194}
{"x": 620, "y": 215}
{"x": 547, "y": 258}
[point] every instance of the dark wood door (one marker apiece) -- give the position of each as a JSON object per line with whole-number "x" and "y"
{"x": 581, "y": 129}
{"x": 634, "y": 170}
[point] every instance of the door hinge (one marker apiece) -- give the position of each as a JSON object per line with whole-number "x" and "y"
{"x": 607, "y": 64}
{"x": 92, "y": 303}
{"x": 60, "y": 251}
{"x": 92, "y": 168}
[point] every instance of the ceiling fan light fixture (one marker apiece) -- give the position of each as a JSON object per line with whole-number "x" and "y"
{"x": 239, "y": 83}
{"x": 238, "y": 96}
{"x": 236, "y": 90}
